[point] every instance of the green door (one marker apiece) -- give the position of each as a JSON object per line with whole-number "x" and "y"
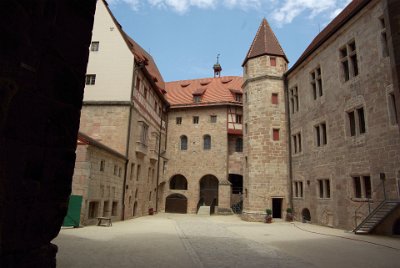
{"x": 74, "y": 211}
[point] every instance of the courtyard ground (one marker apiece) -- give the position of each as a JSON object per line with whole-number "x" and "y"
{"x": 173, "y": 240}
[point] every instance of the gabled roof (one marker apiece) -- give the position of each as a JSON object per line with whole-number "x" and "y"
{"x": 265, "y": 43}
{"x": 141, "y": 56}
{"x": 350, "y": 11}
{"x": 215, "y": 91}
{"x": 84, "y": 139}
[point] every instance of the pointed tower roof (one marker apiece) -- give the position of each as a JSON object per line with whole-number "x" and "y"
{"x": 265, "y": 43}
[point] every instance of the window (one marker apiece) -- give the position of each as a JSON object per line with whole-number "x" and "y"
{"x": 136, "y": 193}
{"x": 356, "y": 120}
{"x": 102, "y": 165}
{"x": 274, "y": 98}
{"x": 316, "y": 83}
{"x": 393, "y": 109}
{"x": 245, "y": 128}
{"x": 179, "y": 120}
{"x": 148, "y": 175}
{"x": 144, "y": 129}
{"x": 150, "y": 196}
{"x": 138, "y": 173}
{"x": 195, "y": 119}
{"x": 207, "y": 142}
{"x": 213, "y": 118}
{"x": 184, "y": 143}
{"x": 296, "y": 143}
{"x": 106, "y": 208}
{"x": 119, "y": 172}
{"x": 294, "y": 100}
{"x": 239, "y": 145}
{"x": 348, "y": 59}
{"x": 115, "y": 170}
{"x": 298, "y": 189}
{"x": 238, "y": 119}
{"x": 114, "y": 210}
{"x": 197, "y": 99}
{"x": 90, "y": 79}
{"x": 320, "y": 134}
{"x": 145, "y": 92}
{"x": 94, "y": 46}
{"x": 238, "y": 97}
{"x": 324, "y": 188}
{"x": 93, "y": 210}
{"x": 272, "y": 61}
{"x": 275, "y": 134}
{"x": 138, "y": 84}
{"x": 132, "y": 170}
{"x": 384, "y": 41}
{"x": 362, "y": 186}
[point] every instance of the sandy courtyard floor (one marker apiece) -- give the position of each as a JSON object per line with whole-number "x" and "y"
{"x": 173, "y": 240}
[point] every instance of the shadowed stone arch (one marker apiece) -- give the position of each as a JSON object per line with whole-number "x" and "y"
{"x": 305, "y": 214}
{"x": 176, "y": 203}
{"x": 209, "y": 190}
{"x": 178, "y": 182}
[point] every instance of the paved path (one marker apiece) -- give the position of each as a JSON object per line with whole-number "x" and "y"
{"x": 172, "y": 240}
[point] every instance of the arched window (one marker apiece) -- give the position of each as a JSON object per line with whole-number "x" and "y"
{"x": 178, "y": 182}
{"x": 239, "y": 145}
{"x": 184, "y": 143}
{"x": 207, "y": 142}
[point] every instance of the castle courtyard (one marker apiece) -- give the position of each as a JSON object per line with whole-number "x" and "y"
{"x": 175, "y": 240}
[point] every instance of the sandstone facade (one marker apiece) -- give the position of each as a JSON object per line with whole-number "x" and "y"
{"x": 363, "y": 147}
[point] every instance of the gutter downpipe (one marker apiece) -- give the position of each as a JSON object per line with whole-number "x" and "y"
{"x": 135, "y": 69}
{"x": 159, "y": 152}
{"x": 286, "y": 88}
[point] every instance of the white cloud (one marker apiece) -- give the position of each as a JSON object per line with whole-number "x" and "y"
{"x": 283, "y": 11}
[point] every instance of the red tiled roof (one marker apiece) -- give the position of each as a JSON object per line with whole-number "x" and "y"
{"x": 141, "y": 56}
{"x": 264, "y": 43}
{"x": 352, "y": 9}
{"x": 217, "y": 91}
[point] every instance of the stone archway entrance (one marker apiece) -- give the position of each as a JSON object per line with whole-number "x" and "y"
{"x": 176, "y": 203}
{"x": 306, "y": 215}
{"x": 209, "y": 190}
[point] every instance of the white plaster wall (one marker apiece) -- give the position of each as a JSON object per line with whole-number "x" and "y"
{"x": 112, "y": 64}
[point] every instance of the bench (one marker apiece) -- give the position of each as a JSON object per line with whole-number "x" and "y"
{"x": 106, "y": 220}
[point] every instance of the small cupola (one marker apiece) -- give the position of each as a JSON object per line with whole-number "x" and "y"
{"x": 217, "y": 68}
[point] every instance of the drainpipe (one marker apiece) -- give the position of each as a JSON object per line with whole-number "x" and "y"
{"x": 289, "y": 131}
{"x": 136, "y": 67}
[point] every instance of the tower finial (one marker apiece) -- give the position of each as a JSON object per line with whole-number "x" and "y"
{"x": 217, "y": 68}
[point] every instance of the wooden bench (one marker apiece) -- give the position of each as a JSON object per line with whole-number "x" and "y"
{"x": 106, "y": 220}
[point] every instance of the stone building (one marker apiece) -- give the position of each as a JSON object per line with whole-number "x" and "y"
{"x": 344, "y": 137}
{"x": 321, "y": 138}
{"x": 124, "y": 109}
{"x": 266, "y": 161}
{"x": 98, "y": 179}
{"x": 205, "y": 144}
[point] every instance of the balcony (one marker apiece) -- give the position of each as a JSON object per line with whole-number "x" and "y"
{"x": 141, "y": 148}
{"x": 153, "y": 155}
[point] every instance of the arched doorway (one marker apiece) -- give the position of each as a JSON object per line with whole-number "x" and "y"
{"x": 209, "y": 190}
{"x": 178, "y": 182}
{"x": 306, "y": 215}
{"x": 396, "y": 227}
{"x": 176, "y": 203}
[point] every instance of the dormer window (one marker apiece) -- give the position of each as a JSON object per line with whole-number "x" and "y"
{"x": 238, "y": 97}
{"x": 197, "y": 98}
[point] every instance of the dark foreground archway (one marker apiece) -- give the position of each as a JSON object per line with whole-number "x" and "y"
{"x": 396, "y": 227}
{"x": 176, "y": 203}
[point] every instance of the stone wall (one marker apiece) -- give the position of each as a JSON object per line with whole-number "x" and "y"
{"x": 195, "y": 162}
{"x": 345, "y": 156}
{"x": 96, "y": 185}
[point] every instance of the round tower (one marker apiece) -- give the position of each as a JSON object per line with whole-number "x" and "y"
{"x": 265, "y": 136}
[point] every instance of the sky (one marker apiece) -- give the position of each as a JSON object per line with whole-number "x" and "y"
{"x": 185, "y": 36}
